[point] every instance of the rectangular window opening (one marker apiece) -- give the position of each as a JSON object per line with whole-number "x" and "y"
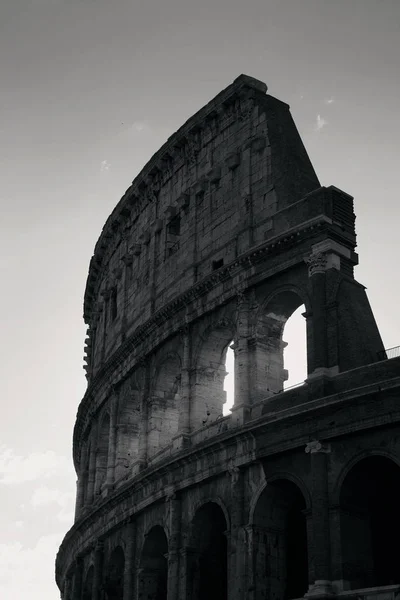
{"x": 217, "y": 264}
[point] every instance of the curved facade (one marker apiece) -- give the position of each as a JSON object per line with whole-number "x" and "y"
{"x": 220, "y": 238}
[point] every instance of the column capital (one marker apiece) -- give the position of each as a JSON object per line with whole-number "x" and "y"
{"x": 170, "y": 495}
{"x": 234, "y": 472}
{"x": 317, "y": 447}
{"x": 317, "y": 263}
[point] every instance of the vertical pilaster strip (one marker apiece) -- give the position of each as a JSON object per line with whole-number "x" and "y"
{"x": 241, "y": 350}
{"x": 67, "y": 588}
{"x": 91, "y": 474}
{"x": 127, "y": 260}
{"x": 80, "y": 483}
{"x": 317, "y": 264}
{"x": 78, "y": 574}
{"x": 112, "y": 442}
{"x": 236, "y": 546}
{"x": 143, "y": 428}
{"x": 98, "y": 570}
{"x": 320, "y": 547}
{"x": 184, "y": 415}
{"x": 129, "y": 561}
{"x": 174, "y": 522}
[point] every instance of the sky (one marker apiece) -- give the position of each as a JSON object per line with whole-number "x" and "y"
{"x": 90, "y": 89}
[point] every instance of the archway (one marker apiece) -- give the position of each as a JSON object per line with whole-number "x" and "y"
{"x": 88, "y": 585}
{"x": 370, "y": 523}
{"x": 229, "y": 381}
{"x": 102, "y": 452}
{"x": 114, "y": 575}
{"x": 270, "y": 372}
{"x": 207, "y": 560}
{"x": 295, "y": 353}
{"x": 280, "y": 560}
{"x": 209, "y": 393}
{"x": 128, "y": 424}
{"x": 153, "y": 578}
{"x": 163, "y": 417}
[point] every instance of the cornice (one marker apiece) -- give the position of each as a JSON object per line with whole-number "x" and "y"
{"x": 145, "y": 186}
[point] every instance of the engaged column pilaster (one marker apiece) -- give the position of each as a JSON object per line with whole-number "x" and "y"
{"x": 320, "y": 550}
{"x": 98, "y": 570}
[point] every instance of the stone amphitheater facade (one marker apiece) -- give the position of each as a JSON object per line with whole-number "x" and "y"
{"x": 221, "y": 237}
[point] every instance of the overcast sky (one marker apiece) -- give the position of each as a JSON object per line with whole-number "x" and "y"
{"x": 90, "y": 89}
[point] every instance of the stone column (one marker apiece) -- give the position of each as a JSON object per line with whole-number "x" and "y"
{"x": 80, "y": 490}
{"x": 317, "y": 264}
{"x": 67, "y": 588}
{"x": 250, "y": 570}
{"x": 91, "y": 475}
{"x": 129, "y": 561}
{"x": 106, "y": 296}
{"x": 143, "y": 431}
{"x": 98, "y": 571}
{"x": 187, "y": 559}
{"x": 127, "y": 259}
{"x": 320, "y": 550}
{"x": 241, "y": 408}
{"x": 77, "y": 585}
{"x": 174, "y": 523}
{"x": 144, "y": 414}
{"x": 184, "y": 414}
{"x": 112, "y": 441}
{"x": 237, "y": 539}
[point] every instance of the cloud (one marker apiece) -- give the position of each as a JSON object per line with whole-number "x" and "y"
{"x": 29, "y": 572}
{"x": 104, "y": 165}
{"x": 330, "y": 100}
{"x": 139, "y": 125}
{"x": 16, "y": 469}
{"x": 321, "y": 123}
{"x": 45, "y": 496}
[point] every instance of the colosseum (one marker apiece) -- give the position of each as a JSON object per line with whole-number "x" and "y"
{"x": 292, "y": 492}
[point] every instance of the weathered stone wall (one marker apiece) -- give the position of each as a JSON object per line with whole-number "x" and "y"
{"x": 223, "y": 235}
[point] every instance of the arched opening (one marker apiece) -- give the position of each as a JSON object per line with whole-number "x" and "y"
{"x": 295, "y": 353}
{"x": 271, "y": 371}
{"x": 88, "y": 585}
{"x": 153, "y": 578}
{"x": 280, "y": 559}
{"x": 209, "y": 392}
{"x": 164, "y": 405}
{"x": 102, "y": 453}
{"x": 207, "y": 556}
{"x": 229, "y": 381}
{"x": 370, "y": 523}
{"x": 128, "y": 424}
{"x": 114, "y": 575}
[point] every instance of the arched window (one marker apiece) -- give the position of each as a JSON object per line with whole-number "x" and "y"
{"x": 270, "y": 368}
{"x": 229, "y": 381}
{"x": 88, "y": 584}
{"x": 153, "y": 579}
{"x": 209, "y": 391}
{"x": 113, "y": 583}
{"x": 207, "y": 568}
{"x": 163, "y": 418}
{"x": 295, "y": 353}
{"x": 280, "y": 542}
{"x": 128, "y": 424}
{"x": 370, "y": 523}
